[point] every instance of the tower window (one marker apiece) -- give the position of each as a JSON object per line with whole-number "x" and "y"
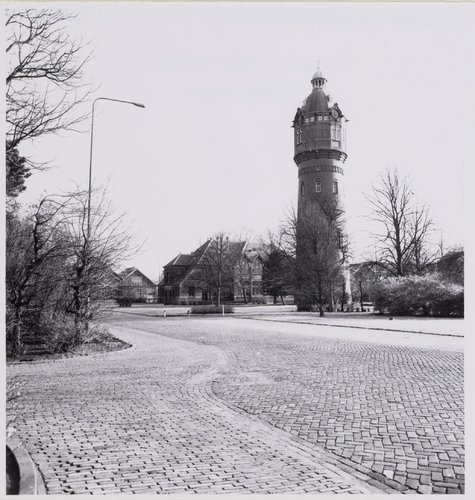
{"x": 298, "y": 136}
{"x": 302, "y": 189}
{"x": 335, "y": 187}
{"x": 318, "y": 187}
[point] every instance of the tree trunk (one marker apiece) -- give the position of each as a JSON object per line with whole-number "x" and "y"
{"x": 282, "y": 299}
{"x": 331, "y": 304}
{"x": 17, "y": 343}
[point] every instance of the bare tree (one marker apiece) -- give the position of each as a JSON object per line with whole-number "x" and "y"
{"x": 318, "y": 243}
{"x": 363, "y": 277}
{"x": 243, "y": 273}
{"x": 57, "y": 277}
{"x": 401, "y": 245}
{"x": 248, "y": 266}
{"x": 215, "y": 270}
{"x": 95, "y": 253}
{"x": 36, "y": 248}
{"x": 322, "y": 251}
{"x": 44, "y": 81}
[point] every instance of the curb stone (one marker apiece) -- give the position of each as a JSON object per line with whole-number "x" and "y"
{"x": 31, "y": 482}
{"x": 352, "y": 326}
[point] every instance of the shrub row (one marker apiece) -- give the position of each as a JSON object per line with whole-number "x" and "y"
{"x": 211, "y": 309}
{"x": 419, "y": 295}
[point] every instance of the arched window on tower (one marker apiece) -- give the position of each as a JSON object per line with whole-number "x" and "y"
{"x": 318, "y": 186}
{"x": 298, "y": 136}
{"x": 302, "y": 189}
{"x": 335, "y": 187}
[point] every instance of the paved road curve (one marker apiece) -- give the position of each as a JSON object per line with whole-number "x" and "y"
{"x": 242, "y": 406}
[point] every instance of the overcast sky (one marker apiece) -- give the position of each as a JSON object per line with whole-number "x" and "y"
{"x": 213, "y": 149}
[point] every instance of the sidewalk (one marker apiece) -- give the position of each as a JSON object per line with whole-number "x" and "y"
{"x": 433, "y": 326}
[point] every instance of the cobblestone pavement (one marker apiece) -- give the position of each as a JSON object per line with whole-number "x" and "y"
{"x": 241, "y": 406}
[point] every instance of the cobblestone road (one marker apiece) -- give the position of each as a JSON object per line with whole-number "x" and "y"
{"x": 241, "y": 406}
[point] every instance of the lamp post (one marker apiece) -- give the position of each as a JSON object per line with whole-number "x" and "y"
{"x": 139, "y": 105}
{"x": 89, "y": 193}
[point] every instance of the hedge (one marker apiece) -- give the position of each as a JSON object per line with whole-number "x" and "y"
{"x": 419, "y": 295}
{"x": 211, "y": 309}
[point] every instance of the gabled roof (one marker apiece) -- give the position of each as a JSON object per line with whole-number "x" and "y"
{"x": 126, "y": 272}
{"x": 196, "y": 257}
{"x": 180, "y": 260}
{"x": 190, "y": 262}
{"x": 186, "y": 259}
{"x": 133, "y": 270}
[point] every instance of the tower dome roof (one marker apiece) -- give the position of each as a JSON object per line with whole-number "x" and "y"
{"x": 316, "y": 102}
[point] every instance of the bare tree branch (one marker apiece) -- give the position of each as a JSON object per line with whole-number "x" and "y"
{"x": 44, "y": 81}
{"x": 402, "y": 242}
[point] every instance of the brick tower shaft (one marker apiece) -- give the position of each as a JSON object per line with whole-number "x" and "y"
{"x": 320, "y": 153}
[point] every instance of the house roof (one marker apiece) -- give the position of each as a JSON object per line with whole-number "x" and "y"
{"x": 133, "y": 270}
{"x": 191, "y": 261}
{"x": 180, "y": 260}
{"x": 126, "y": 272}
{"x": 186, "y": 259}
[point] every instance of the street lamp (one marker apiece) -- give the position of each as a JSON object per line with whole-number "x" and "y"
{"x": 139, "y": 105}
{"x": 88, "y": 227}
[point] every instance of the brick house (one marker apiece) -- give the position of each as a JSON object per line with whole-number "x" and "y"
{"x": 186, "y": 277}
{"x": 134, "y": 285}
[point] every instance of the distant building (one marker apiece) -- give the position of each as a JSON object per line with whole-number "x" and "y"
{"x": 190, "y": 278}
{"x": 134, "y": 285}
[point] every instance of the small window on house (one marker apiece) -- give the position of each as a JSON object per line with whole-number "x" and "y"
{"x": 312, "y": 118}
{"x": 191, "y": 291}
{"x": 318, "y": 187}
{"x": 307, "y": 119}
{"x": 320, "y": 118}
{"x": 302, "y": 189}
{"x": 335, "y": 187}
